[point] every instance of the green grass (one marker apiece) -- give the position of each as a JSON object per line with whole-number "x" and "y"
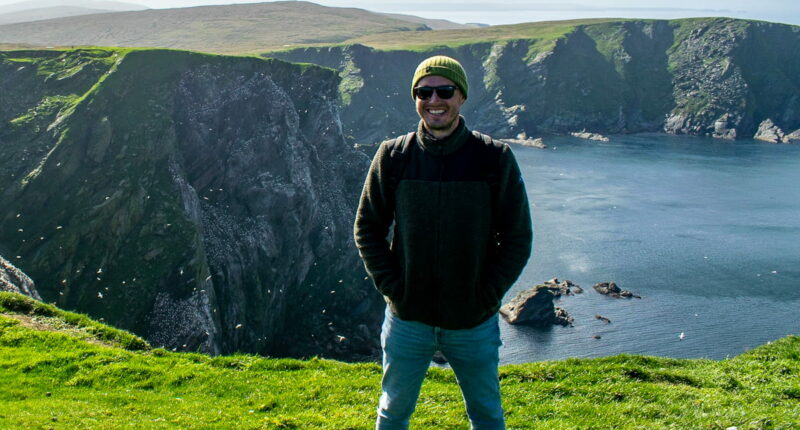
{"x": 61, "y": 320}
{"x": 544, "y": 34}
{"x": 56, "y": 376}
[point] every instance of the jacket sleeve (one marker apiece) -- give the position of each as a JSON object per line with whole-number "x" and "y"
{"x": 513, "y": 228}
{"x": 373, "y": 220}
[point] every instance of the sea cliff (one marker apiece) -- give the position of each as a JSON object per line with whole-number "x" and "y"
{"x": 203, "y": 202}
{"x": 718, "y": 77}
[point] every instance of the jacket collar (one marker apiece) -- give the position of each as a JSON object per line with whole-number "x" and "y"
{"x": 446, "y": 146}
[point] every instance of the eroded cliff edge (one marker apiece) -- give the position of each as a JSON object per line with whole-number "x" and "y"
{"x": 203, "y": 202}
{"x": 718, "y": 77}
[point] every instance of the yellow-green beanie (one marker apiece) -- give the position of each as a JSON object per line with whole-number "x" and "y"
{"x": 443, "y": 66}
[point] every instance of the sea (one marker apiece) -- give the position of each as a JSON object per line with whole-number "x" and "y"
{"x": 706, "y": 231}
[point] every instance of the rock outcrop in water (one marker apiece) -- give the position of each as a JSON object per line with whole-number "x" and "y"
{"x": 611, "y": 289}
{"x": 589, "y": 136}
{"x": 769, "y": 132}
{"x": 203, "y": 202}
{"x": 535, "y": 307}
{"x": 562, "y": 288}
{"x": 717, "y": 77}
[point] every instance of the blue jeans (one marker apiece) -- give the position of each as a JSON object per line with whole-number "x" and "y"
{"x": 408, "y": 347}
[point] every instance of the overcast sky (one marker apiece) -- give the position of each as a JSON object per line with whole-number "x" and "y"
{"x": 515, "y": 11}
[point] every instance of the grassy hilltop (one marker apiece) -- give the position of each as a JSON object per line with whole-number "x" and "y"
{"x": 544, "y": 33}
{"x": 229, "y": 29}
{"x": 64, "y": 371}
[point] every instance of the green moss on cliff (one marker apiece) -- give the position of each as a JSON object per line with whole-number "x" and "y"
{"x": 49, "y": 107}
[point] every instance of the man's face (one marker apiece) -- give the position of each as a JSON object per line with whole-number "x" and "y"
{"x": 440, "y": 116}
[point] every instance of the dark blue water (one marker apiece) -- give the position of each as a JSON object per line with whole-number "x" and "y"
{"x": 706, "y": 231}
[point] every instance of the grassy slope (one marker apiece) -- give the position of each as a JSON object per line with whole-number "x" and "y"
{"x": 61, "y": 378}
{"x": 546, "y": 33}
{"x": 237, "y": 28}
{"x": 15, "y": 46}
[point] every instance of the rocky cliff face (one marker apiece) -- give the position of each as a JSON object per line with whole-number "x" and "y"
{"x": 13, "y": 280}
{"x": 716, "y": 77}
{"x": 203, "y": 202}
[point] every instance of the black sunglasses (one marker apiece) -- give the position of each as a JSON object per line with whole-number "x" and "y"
{"x": 444, "y": 92}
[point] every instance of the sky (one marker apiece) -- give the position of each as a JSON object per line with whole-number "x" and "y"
{"x": 516, "y": 11}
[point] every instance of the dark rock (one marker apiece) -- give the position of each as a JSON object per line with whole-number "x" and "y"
{"x": 628, "y": 294}
{"x": 13, "y": 280}
{"x": 561, "y": 317}
{"x": 724, "y": 127}
{"x": 523, "y": 140}
{"x": 589, "y": 136}
{"x": 769, "y": 132}
{"x": 793, "y": 137}
{"x": 439, "y": 358}
{"x": 363, "y": 331}
{"x": 562, "y": 288}
{"x": 363, "y": 342}
{"x": 535, "y": 307}
{"x": 612, "y": 290}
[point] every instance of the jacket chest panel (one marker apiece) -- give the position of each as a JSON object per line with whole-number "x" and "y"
{"x": 454, "y": 204}
{"x": 473, "y": 162}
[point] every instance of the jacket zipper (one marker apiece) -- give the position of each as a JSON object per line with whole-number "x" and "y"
{"x": 439, "y": 220}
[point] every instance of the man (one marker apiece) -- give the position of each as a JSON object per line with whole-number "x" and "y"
{"x": 461, "y": 238}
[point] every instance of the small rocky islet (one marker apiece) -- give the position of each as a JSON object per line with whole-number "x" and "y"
{"x": 535, "y": 306}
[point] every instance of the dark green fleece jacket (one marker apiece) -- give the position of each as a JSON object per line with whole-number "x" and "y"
{"x": 462, "y": 228}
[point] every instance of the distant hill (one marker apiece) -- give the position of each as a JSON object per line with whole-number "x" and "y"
{"x": 434, "y": 24}
{"x": 47, "y": 13}
{"x": 112, "y": 6}
{"x": 235, "y": 28}
{"x": 38, "y": 10}
{"x": 13, "y": 46}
